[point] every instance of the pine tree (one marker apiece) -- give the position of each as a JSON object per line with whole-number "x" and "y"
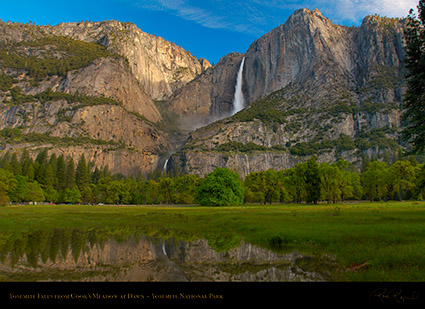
{"x": 5, "y": 163}
{"x": 82, "y": 176}
{"x": 95, "y": 175}
{"x": 26, "y": 164}
{"x": 60, "y": 173}
{"x": 48, "y": 177}
{"x": 16, "y": 166}
{"x": 25, "y": 156}
{"x": 413, "y": 117}
{"x": 42, "y": 157}
{"x": 70, "y": 174}
{"x": 30, "y": 171}
{"x": 53, "y": 162}
{"x": 39, "y": 172}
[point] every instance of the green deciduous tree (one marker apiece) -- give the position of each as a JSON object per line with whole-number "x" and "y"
{"x": 254, "y": 188}
{"x": 167, "y": 190}
{"x": 150, "y": 192}
{"x": 72, "y": 196}
{"x": 186, "y": 187}
{"x": 7, "y": 185}
{"x": 402, "y": 176}
{"x": 348, "y": 181}
{"x": 375, "y": 180}
{"x": 273, "y": 186}
{"x": 221, "y": 187}
{"x": 35, "y": 192}
{"x": 118, "y": 192}
{"x": 312, "y": 178}
{"x": 50, "y": 194}
{"x": 263, "y": 187}
{"x": 20, "y": 191}
{"x": 295, "y": 182}
{"x": 330, "y": 179}
{"x": 88, "y": 194}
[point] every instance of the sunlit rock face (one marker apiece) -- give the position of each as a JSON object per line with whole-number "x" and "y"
{"x": 77, "y": 255}
{"x": 122, "y": 135}
{"x": 311, "y": 51}
{"x": 160, "y": 66}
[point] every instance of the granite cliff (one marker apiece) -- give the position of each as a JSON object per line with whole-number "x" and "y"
{"x": 128, "y": 99}
{"x": 312, "y": 88}
{"x": 90, "y": 88}
{"x": 209, "y": 97}
{"x": 160, "y": 66}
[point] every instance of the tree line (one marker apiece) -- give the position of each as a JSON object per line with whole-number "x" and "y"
{"x": 60, "y": 179}
{"x": 313, "y": 182}
{"x": 57, "y": 179}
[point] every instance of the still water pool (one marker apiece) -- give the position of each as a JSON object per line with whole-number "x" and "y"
{"x": 101, "y": 255}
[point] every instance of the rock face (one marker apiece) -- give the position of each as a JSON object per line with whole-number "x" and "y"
{"x": 208, "y": 97}
{"x": 160, "y": 66}
{"x": 110, "y": 78}
{"x": 137, "y": 69}
{"x": 310, "y": 51}
{"x": 107, "y": 135}
{"x": 312, "y": 88}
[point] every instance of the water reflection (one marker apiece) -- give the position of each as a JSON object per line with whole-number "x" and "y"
{"x": 102, "y": 255}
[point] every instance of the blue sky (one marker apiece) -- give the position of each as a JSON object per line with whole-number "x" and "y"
{"x": 207, "y": 28}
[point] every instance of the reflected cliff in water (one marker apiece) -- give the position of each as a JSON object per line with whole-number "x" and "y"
{"x": 100, "y": 255}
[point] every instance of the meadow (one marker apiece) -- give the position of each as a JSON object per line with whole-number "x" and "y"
{"x": 368, "y": 241}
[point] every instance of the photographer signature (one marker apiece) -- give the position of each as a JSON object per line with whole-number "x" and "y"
{"x": 394, "y": 295}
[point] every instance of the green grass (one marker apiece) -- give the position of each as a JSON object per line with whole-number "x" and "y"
{"x": 387, "y": 238}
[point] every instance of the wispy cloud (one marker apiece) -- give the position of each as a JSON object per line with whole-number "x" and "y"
{"x": 256, "y": 17}
{"x": 355, "y": 10}
{"x": 187, "y": 11}
{"x": 348, "y": 10}
{"x": 238, "y": 16}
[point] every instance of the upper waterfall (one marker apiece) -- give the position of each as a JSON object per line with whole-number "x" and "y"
{"x": 238, "y": 100}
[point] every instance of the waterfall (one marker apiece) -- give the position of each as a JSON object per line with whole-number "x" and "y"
{"x": 238, "y": 101}
{"x": 165, "y": 166}
{"x": 163, "y": 249}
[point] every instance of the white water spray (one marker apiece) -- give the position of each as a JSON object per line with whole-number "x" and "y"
{"x": 238, "y": 101}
